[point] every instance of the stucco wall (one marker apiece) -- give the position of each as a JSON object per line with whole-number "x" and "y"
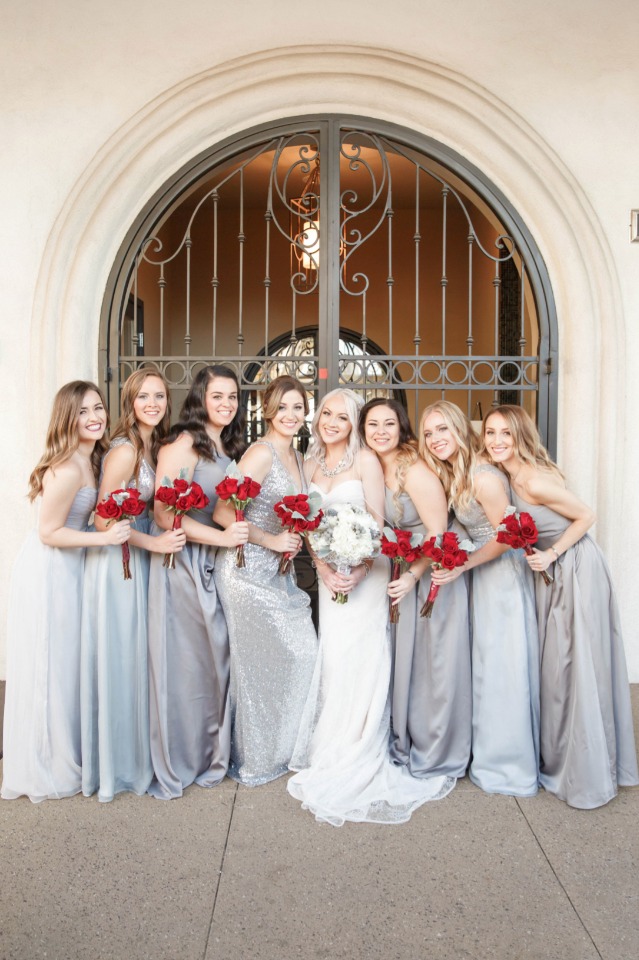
{"x": 101, "y": 103}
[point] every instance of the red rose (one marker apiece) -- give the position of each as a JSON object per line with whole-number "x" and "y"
{"x": 183, "y": 503}
{"x": 180, "y": 485}
{"x": 449, "y": 561}
{"x": 449, "y": 538}
{"x": 290, "y": 502}
{"x": 389, "y": 548}
{"x": 436, "y": 554}
{"x": 253, "y": 487}
{"x": 166, "y": 495}
{"x": 511, "y": 523}
{"x": 413, "y": 554}
{"x": 133, "y": 507}
{"x": 227, "y": 488}
{"x": 198, "y": 498}
{"x": 243, "y": 491}
{"x": 528, "y": 528}
{"x": 108, "y": 509}
{"x": 302, "y": 506}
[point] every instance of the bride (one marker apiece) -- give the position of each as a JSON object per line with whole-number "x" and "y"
{"x": 341, "y": 754}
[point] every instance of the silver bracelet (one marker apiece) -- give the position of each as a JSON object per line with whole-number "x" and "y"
{"x": 555, "y": 552}
{"x": 416, "y": 579}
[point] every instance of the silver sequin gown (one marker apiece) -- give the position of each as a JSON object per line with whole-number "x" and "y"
{"x": 42, "y": 755}
{"x": 431, "y": 703}
{"x": 114, "y": 685}
{"x": 189, "y": 660}
{"x": 505, "y": 664}
{"x": 587, "y": 738}
{"x": 273, "y": 645}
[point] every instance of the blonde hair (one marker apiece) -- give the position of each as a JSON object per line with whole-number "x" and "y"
{"x": 456, "y": 474}
{"x": 528, "y": 445}
{"x": 127, "y": 425}
{"x": 274, "y": 393}
{"x": 62, "y": 435}
{"x": 353, "y": 403}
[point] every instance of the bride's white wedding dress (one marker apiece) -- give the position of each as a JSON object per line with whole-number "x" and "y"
{"x": 341, "y": 754}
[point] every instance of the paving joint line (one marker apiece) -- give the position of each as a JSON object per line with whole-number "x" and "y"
{"x": 219, "y": 877}
{"x": 556, "y": 876}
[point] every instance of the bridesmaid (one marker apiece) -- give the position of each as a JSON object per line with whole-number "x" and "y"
{"x": 42, "y": 755}
{"x": 431, "y": 688}
{"x": 587, "y": 739}
{"x": 272, "y": 638}
{"x": 505, "y": 652}
{"x": 114, "y": 689}
{"x": 188, "y": 639}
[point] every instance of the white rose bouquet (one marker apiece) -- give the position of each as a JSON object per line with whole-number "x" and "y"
{"x": 346, "y": 536}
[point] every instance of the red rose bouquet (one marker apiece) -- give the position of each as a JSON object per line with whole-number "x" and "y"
{"x": 179, "y": 496}
{"x": 240, "y": 490}
{"x": 519, "y": 531}
{"x": 299, "y": 513}
{"x": 403, "y": 548}
{"x": 446, "y": 551}
{"x": 122, "y": 505}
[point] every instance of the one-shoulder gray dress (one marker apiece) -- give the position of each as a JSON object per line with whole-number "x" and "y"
{"x": 431, "y": 701}
{"x": 189, "y": 660}
{"x": 587, "y": 739}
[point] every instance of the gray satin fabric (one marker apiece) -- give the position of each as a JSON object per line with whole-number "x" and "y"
{"x": 189, "y": 661}
{"x": 273, "y": 645}
{"x": 587, "y": 738}
{"x": 505, "y": 665}
{"x": 431, "y": 686}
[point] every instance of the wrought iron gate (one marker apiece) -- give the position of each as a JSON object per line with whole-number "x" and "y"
{"x": 343, "y": 251}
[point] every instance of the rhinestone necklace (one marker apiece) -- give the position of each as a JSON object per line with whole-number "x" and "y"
{"x": 331, "y": 473}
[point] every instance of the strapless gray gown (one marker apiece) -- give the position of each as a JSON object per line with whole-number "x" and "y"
{"x": 189, "y": 661}
{"x": 114, "y": 684}
{"x": 505, "y": 664}
{"x": 42, "y": 756}
{"x": 431, "y": 707}
{"x": 587, "y": 738}
{"x": 273, "y": 645}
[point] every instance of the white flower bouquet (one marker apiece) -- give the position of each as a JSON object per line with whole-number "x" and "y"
{"x": 346, "y": 536}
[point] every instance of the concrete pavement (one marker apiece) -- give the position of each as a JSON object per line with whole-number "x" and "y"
{"x": 245, "y": 873}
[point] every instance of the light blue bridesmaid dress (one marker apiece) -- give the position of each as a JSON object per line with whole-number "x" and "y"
{"x": 505, "y": 664}
{"x": 42, "y": 709}
{"x": 114, "y": 684}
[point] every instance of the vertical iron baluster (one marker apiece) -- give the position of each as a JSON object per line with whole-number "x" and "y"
{"x": 162, "y": 286}
{"x": 240, "y": 239}
{"x": 187, "y": 336}
{"x": 390, "y": 280}
{"x": 522, "y": 335}
{"x": 215, "y": 280}
{"x": 470, "y": 339}
{"x": 497, "y": 361}
{"x": 267, "y": 278}
{"x": 417, "y": 237}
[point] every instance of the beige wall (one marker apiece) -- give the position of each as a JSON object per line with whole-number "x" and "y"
{"x": 101, "y": 103}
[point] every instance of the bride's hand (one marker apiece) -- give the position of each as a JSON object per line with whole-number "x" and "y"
{"x": 333, "y": 581}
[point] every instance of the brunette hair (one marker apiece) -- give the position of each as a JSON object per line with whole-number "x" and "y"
{"x": 62, "y": 435}
{"x": 127, "y": 425}
{"x": 455, "y": 474}
{"x": 275, "y": 391}
{"x": 528, "y": 445}
{"x": 407, "y": 453}
{"x": 353, "y": 403}
{"x": 193, "y": 417}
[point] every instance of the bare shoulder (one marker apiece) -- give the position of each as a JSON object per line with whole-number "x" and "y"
{"x": 365, "y": 459}
{"x": 540, "y": 484}
{"x": 65, "y": 477}
{"x": 258, "y": 457}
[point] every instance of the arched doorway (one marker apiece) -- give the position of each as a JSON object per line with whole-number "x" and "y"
{"x": 337, "y": 225}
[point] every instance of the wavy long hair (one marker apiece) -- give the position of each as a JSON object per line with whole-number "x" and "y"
{"x": 194, "y": 418}
{"x": 127, "y": 425}
{"x": 353, "y": 403}
{"x": 528, "y": 445}
{"x": 62, "y": 435}
{"x": 456, "y": 474}
{"x": 407, "y": 453}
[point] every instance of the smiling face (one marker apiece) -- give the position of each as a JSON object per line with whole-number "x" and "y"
{"x": 221, "y": 401}
{"x": 334, "y": 424}
{"x": 92, "y": 418}
{"x": 438, "y": 437}
{"x": 381, "y": 429}
{"x": 498, "y": 439}
{"x": 289, "y": 416}
{"x": 150, "y": 404}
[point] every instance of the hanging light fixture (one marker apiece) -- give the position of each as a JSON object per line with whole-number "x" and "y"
{"x": 305, "y": 231}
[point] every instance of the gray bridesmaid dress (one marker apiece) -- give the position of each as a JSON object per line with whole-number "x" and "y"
{"x": 273, "y": 644}
{"x": 587, "y": 738}
{"x": 114, "y": 685}
{"x": 431, "y": 684}
{"x": 189, "y": 661}
{"x": 505, "y": 664}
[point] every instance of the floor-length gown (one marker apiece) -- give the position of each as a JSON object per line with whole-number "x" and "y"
{"x": 114, "y": 686}
{"x": 342, "y": 751}
{"x": 189, "y": 660}
{"x": 587, "y": 739}
{"x": 42, "y": 755}
{"x": 431, "y": 694}
{"x": 505, "y": 664}
{"x": 273, "y": 643}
